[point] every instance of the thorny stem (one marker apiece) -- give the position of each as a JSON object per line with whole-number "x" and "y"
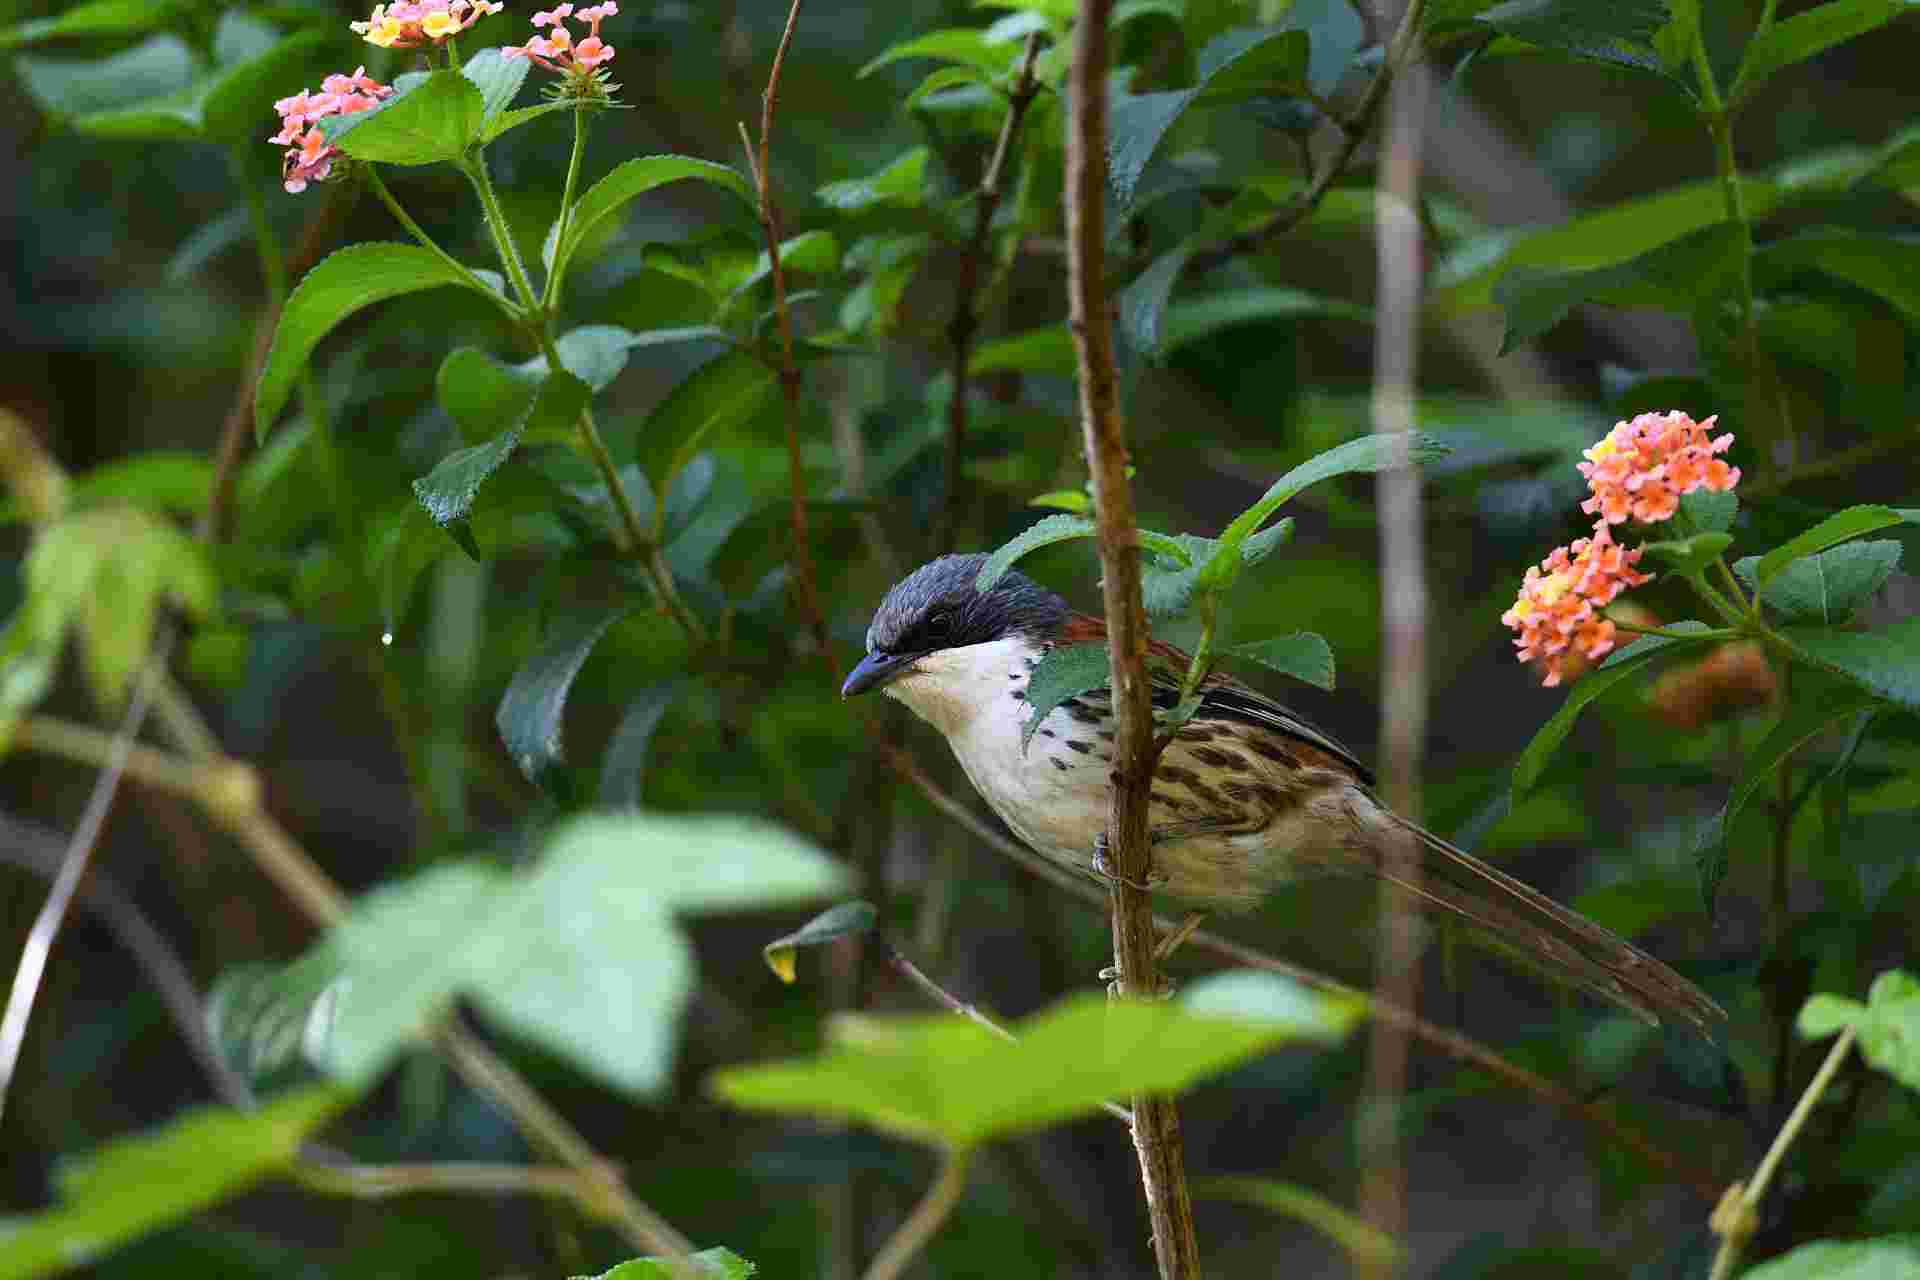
{"x": 427, "y": 242}
{"x": 789, "y": 372}
{"x": 550, "y": 296}
{"x": 1733, "y": 1221}
{"x": 926, "y": 1218}
{"x": 1156, "y": 1128}
{"x": 496, "y": 220}
{"x": 965, "y": 324}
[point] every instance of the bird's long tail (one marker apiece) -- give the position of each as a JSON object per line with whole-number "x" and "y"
{"x": 1519, "y": 921}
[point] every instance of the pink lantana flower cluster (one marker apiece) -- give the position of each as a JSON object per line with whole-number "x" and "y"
{"x": 1640, "y": 470}
{"x": 558, "y": 51}
{"x": 1643, "y": 467}
{"x": 309, "y": 155}
{"x": 407, "y": 26}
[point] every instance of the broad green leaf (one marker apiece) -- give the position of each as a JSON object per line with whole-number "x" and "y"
{"x": 1620, "y": 32}
{"x": 1711, "y": 510}
{"x": 1687, "y": 557}
{"x": 1065, "y": 673}
{"x": 1361, "y": 1240}
{"x": 1619, "y": 666}
{"x": 447, "y": 492}
{"x": 100, "y": 18}
{"x": 1052, "y": 529}
{"x": 812, "y": 253}
{"x": 1048, "y": 350}
{"x": 941, "y": 81}
{"x": 952, "y": 44}
{"x": 847, "y": 920}
{"x": 627, "y": 182}
{"x": 1809, "y": 34}
{"x": 1888, "y": 1258}
{"x": 429, "y": 122}
{"x": 1886, "y": 662}
{"x": 530, "y": 713}
{"x": 1302, "y": 655}
{"x": 900, "y": 185}
{"x": 1167, "y": 582}
{"x": 1828, "y": 586}
{"x": 498, "y": 80}
{"x": 623, "y": 766}
{"x": 1196, "y": 319}
{"x": 1886, "y": 266}
{"x": 1673, "y": 276}
{"x": 719, "y": 397}
{"x": 155, "y": 69}
{"x": 1819, "y": 703}
{"x": 1887, "y": 1025}
{"x": 943, "y": 1080}
{"x": 486, "y": 397}
{"x": 1144, "y": 302}
{"x": 339, "y": 285}
{"x": 163, "y": 479}
{"x": 128, "y": 1188}
{"x": 1842, "y": 526}
{"x": 722, "y": 1264}
{"x": 508, "y": 121}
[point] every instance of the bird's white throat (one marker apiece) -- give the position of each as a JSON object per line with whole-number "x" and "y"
{"x": 954, "y": 688}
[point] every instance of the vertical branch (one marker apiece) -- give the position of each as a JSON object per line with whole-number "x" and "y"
{"x": 789, "y": 371}
{"x": 1403, "y": 588}
{"x": 1156, "y": 1130}
{"x": 965, "y": 324}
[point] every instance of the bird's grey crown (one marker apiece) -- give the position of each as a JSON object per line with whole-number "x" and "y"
{"x": 937, "y": 607}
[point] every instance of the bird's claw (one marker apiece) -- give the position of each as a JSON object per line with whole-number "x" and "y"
{"x": 1163, "y": 986}
{"x": 1105, "y": 869}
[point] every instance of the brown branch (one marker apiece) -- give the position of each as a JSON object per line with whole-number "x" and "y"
{"x": 1403, "y": 695}
{"x": 1460, "y": 1047}
{"x": 1353, "y": 132}
{"x": 965, "y": 324}
{"x": 789, "y": 372}
{"x": 1156, "y": 1127}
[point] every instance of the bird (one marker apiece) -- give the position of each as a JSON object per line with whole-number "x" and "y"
{"x": 1246, "y": 796}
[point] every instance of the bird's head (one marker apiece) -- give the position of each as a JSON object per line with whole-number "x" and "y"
{"x": 937, "y": 609}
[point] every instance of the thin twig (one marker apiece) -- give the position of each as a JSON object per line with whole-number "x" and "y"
{"x": 1156, "y": 1126}
{"x": 1456, "y": 1045}
{"x": 926, "y": 1217}
{"x": 965, "y": 324}
{"x": 1353, "y": 132}
{"x": 789, "y": 372}
{"x": 1403, "y": 695}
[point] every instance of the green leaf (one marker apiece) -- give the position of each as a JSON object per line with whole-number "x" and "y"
{"x": 1818, "y": 704}
{"x": 1672, "y": 276}
{"x": 719, "y": 397}
{"x": 901, "y": 185}
{"x": 1143, "y": 303}
{"x": 847, "y": 920}
{"x": 1197, "y": 319}
{"x": 1711, "y": 510}
{"x": 163, "y": 479}
{"x": 1688, "y": 557}
{"x": 130, "y": 1187}
{"x": 1828, "y": 586}
{"x": 433, "y": 121}
{"x": 1048, "y": 350}
{"x": 498, "y": 79}
{"x": 1302, "y": 655}
{"x": 100, "y": 18}
{"x": 157, "y": 69}
{"x": 1809, "y": 34}
{"x": 1620, "y": 665}
{"x": 535, "y": 702}
{"x": 1842, "y": 526}
{"x": 939, "y": 82}
{"x": 1886, "y": 662}
{"x": 627, "y": 182}
{"x": 1052, "y": 529}
{"x": 723, "y": 1264}
{"x": 339, "y": 285}
{"x": 508, "y": 121}
{"x": 1888, "y": 1258}
{"x": 1362, "y": 1241}
{"x": 624, "y": 764}
{"x": 1064, "y": 673}
{"x": 1888, "y": 1025}
{"x": 447, "y": 492}
{"x": 1886, "y": 266}
{"x": 943, "y": 1080}
{"x": 952, "y": 44}
{"x": 1074, "y": 500}
{"x": 1608, "y": 31}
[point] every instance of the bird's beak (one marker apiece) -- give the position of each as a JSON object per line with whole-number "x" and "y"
{"x": 877, "y": 669}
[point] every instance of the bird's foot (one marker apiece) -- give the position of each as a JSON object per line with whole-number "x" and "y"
{"x": 1163, "y": 986}
{"x": 1104, "y": 868}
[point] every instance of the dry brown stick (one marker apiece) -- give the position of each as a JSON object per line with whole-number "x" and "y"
{"x": 1456, "y": 1045}
{"x": 1403, "y": 697}
{"x": 789, "y": 372}
{"x": 965, "y": 324}
{"x": 1156, "y": 1124}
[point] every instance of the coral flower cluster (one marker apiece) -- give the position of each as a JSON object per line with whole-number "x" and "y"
{"x": 407, "y": 26}
{"x": 1640, "y": 471}
{"x": 1644, "y": 467}
{"x": 309, "y": 155}
{"x": 558, "y": 51}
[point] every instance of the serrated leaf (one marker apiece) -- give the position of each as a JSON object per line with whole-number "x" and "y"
{"x": 1884, "y": 662}
{"x": 1064, "y": 673}
{"x": 901, "y": 185}
{"x": 847, "y": 920}
{"x": 943, "y": 1080}
{"x": 498, "y": 79}
{"x": 1842, "y": 526}
{"x": 1302, "y": 655}
{"x": 1711, "y": 510}
{"x": 1687, "y": 557}
{"x": 1888, "y": 1258}
{"x": 339, "y": 285}
{"x": 623, "y": 767}
{"x": 535, "y": 702}
{"x": 127, "y": 1188}
{"x": 722, "y": 1264}
{"x": 1887, "y": 1025}
{"x": 1608, "y": 31}
{"x": 627, "y": 182}
{"x": 429, "y": 122}
{"x": 1619, "y": 666}
{"x": 1828, "y": 586}
{"x": 447, "y": 492}
{"x": 1061, "y": 528}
